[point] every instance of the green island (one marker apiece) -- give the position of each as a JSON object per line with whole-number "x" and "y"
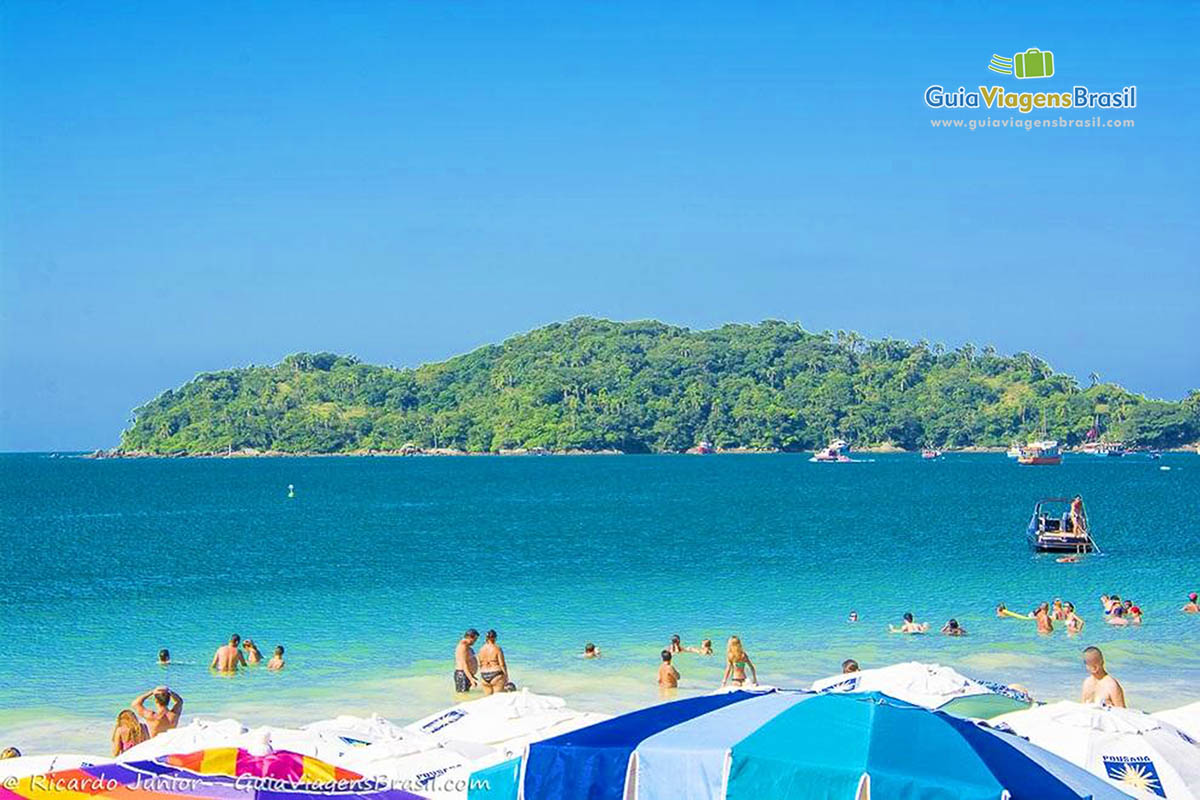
{"x": 592, "y": 385}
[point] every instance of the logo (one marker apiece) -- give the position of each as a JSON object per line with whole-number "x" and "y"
{"x": 847, "y": 685}
{"x": 1033, "y": 63}
{"x": 1136, "y": 772}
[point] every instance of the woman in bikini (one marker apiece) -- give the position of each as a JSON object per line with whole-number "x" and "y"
{"x": 493, "y": 669}
{"x": 1074, "y": 621}
{"x": 736, "y": 662}
{"x": 128, "y": 732}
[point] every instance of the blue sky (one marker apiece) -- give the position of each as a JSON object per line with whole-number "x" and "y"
{"x": 187, "y": 187}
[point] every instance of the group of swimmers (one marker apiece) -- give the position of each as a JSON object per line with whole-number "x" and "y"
{"x": 237, "y": 653}
{"x": 737, "y": 663}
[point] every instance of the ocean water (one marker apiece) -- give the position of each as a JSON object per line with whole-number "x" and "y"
{"x": 371, "y": 572}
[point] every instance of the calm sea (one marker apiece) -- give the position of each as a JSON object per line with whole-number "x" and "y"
{"x": 370, "y": 573}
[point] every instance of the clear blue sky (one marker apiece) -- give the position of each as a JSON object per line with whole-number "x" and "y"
{"x": 188, "y": 187}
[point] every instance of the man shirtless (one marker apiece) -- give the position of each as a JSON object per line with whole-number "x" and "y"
{"x": 1100, "y": 688}
{"x": 163, "y": 716}
{"x": 1191, "y": 607}
{"x": 907, "y": 625}
{"x": 465, "y": 665}
{"x": 668, "y": 676}
{"x": 1042, "y": 615}
{"x": 227, "y": 657}
{"x": 493, "y": 669}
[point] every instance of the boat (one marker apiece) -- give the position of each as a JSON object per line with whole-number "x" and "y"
{"x": 930, "y": 453}
{"x": 1054, "y": 531}
{"x": 704, "y": 448}
{"x": 1104, "y": 449}
{"x": 1014, "y": 451}
{"x": 838, "y": 451}
{"x": 1039, "y": 453}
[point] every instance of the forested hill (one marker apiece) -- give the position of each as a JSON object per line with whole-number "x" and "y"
{"x": 591, "y": 384}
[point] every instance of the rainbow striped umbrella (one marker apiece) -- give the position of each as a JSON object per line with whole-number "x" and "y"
{"x": 799, "y": 746}
{"x": 222, "y": 773}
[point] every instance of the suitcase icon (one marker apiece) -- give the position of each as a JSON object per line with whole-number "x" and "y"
{"x": 1033, "y": 63}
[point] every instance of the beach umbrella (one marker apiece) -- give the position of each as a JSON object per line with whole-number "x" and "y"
{"x": 221, "y": 773}
{"x": 1186, "y": 718}
{"x": 799, "y": 746}
{"x": 931, "y": 686}
{"x": 1145, "y": 756}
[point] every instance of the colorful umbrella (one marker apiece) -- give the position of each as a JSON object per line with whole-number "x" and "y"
{"x": 801, "y": 746}
{"x": 1145, "y": 756}
{"x": 219, "y": 773}
{"x": 932, "y": 686}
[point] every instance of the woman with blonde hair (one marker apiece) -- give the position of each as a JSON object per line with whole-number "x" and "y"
{"x": 127, "y": 732}
{"x": 736, "y": 662}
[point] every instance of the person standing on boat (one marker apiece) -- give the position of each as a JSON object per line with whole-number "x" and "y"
{"x": 1078, "y": 520}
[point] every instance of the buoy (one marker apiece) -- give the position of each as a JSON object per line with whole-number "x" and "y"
{"x": 291, "y": 490}
{"x": 1165, "y": 469}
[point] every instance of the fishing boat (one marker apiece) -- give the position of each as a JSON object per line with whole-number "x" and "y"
{"x": 1052, "y": 528}
{"x": 1104, "y": 449}
{"x": 1040, "y": 453}
{"x": 930, "y": 453}
{"x": 838, "y": 451}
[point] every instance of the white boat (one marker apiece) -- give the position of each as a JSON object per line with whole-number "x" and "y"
{"x": 1014, "y": 451}
{"x": 1041, "y": 453}
{"x": 836, "y": 451}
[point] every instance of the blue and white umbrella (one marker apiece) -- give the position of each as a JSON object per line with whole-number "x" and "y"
{"x": 798, "y": 746}
{"x": 931, "y": 686}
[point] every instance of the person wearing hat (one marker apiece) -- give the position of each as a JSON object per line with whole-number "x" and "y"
{"x": 1190, "y": 606}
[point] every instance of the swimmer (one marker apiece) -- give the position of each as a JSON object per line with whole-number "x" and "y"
{"x": 668, "y": 676}
{"x": 228, "y": 657}
{"x": 591, "y": 651}
{"x": 1191, "y": 607}
{"x": 1042, "y": 615}
{"x": 163, "y": 716}
{"x": 164, "y": 657}
{"x": 1134, "y": 615}
{"x": 909, "y": 626}
{"x": 1074, "y": 621}
{"x": 1117, "y": 617}
{"x": 705, "y": 648}
{"x": 1100, "y": 688}
{"x": 736, "y": 663}
{"x": 251, "y": 651}
{"x": 493, "y": 669}
{"x": 849, "y": 665}
{"x": 853, "y": 617}
{"x": 276, "y": 662}
{"x": 952, "y": 628}
{"x": 675, "y": 646}
{"x": 1056, "y": 610}
{"x": 1000, "y": 609}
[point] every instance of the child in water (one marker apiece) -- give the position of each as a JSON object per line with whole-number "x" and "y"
{"x": 276, "y": 662}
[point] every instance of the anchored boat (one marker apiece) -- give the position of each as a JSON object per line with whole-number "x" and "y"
{"x": 1060, "y": 525}
{"x": 930, "y": 453}
{"x": 1044, "y": 452}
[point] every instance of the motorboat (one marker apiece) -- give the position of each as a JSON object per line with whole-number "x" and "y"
{"x": 1053, "y": 528}
{"x": 1014, "y": 451}
{"x": 838, "y": 450}
{"x": 930, "y": 453}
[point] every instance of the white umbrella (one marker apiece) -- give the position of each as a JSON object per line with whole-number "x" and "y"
{"x": 931, "y": 686}
{"x": 1139, "y": 754}
{"x": 1186, "y": 718}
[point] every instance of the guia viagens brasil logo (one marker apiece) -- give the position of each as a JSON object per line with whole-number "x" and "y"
{"x": 1029, "y": 64}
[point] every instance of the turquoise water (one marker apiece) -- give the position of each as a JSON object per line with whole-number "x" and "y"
{"x": 372, "y": 571}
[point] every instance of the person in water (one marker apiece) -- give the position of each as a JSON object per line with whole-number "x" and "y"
{"x": 1074, "y": 621}
{"x": 1191, "y": 607}
{"x": 705, "y": 648}
{"x": 1056, "y": 610}
{"x": 1042, "y": 615}
{"x": 168, "y": 707}
{"x": 251, "y": 651}
{"x": 849, "y": 665}
{"x": 952, "y": 628}
{"x": 909, "y": 626}
{"x": 276, "y": 662}
{"x": 127, "y": 732}
{"x": 591, "y": 651}
{"x": 228, "y": 657}
{"x": 465, "y": 664}
{"x": 675, "y": 646}
{"x": 668, "y": 676}
{"x": 493, "y": 670}
{"x": 164, "y": 657}
{"x": 736, "y": 664}
{"x": 1100, "y": 688}
{"x": 853, "y": 617}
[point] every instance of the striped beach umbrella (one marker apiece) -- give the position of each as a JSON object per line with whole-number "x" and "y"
{"x": 219, "y": 773}
{"x": 799, "y": 746}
